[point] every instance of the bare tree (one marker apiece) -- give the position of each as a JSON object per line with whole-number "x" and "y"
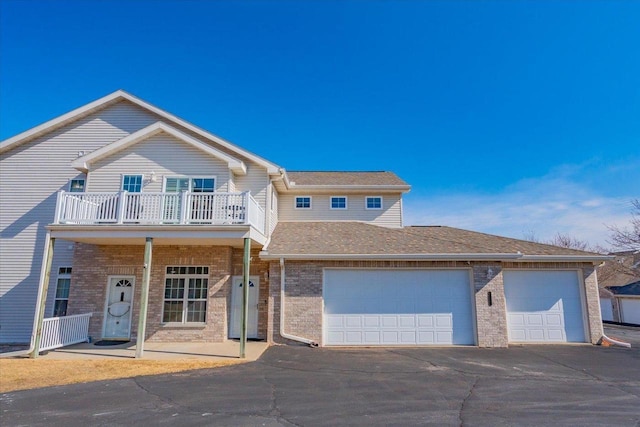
{"x": 625, "y": 268}
{"x": 567, "y": 241}
{"x": 628, "y": 238}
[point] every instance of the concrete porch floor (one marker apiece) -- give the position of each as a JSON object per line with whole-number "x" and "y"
{"x": 161, "y": 351}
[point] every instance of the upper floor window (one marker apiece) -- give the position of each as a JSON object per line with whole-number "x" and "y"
{"x": 339, "y": 202}
{"x": 132, "y": 183}
{"x": 303, "y": 202}
{"x": 374, "y": 202}
{"x": 76, "y": 185}
{"x": 62, "y": 292}
{"x": 196, "y": 185}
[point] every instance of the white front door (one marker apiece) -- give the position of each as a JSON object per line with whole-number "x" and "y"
{"x": 236, "y": 307}
{"x": 118, "y": 308}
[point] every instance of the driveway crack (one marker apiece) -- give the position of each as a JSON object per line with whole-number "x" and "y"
{"x": 467, "y": 397}
{"x": 274, "y": 409}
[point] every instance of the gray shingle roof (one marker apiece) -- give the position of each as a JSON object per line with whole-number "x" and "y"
{"x": 345, "y": 178}
{"x": 351, "y": 238}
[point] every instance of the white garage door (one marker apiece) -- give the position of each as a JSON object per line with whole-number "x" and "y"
{"x": 543, "y": 306}
{"x": 397, "y": 307}
{"x": 630, "y": 310}
{"x": 606, "y": 309}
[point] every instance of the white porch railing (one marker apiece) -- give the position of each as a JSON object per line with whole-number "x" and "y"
{"x": 159, "y": 208}
{"x": 62, "y": 331}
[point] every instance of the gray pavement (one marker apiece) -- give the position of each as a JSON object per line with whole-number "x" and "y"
{"x": 524, "y": 385}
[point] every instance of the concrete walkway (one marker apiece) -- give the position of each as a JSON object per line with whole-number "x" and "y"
{"x": 160, "y": 351}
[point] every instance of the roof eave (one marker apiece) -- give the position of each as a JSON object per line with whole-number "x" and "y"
{"x": 567, "y": 258}
{"x": 293, "y": 187}
{"x": 7, "y": 144}
{"x": 394, "y": 257}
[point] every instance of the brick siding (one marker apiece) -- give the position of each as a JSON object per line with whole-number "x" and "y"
{"x": 94, "y": 264}
{"x": 304, "y": 305}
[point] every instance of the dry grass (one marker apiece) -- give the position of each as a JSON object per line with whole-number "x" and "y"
{"x": 23, "y": 374}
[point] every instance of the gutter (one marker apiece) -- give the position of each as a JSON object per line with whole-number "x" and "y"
{"x": 441, "y": 257}
{"x": 568, "y": 258}
{"x": 395, "y": 257}
{"x": 283, "y": 334}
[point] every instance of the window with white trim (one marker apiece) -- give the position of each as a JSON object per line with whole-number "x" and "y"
{"x": 132, "y": 183}
{"x": 374, "y": 202}
{"x": 63, "y": 284}
{"x": 206, "y": 184}
{"x": 339, "y": 202}
{"x": 76, "y": 185}
{"x": 185, "y": 294}
{"x": 303, "y": 202}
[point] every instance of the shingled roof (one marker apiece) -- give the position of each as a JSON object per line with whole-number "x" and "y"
{"x": 331, "y": 239}
{"x": 345, "y": 178}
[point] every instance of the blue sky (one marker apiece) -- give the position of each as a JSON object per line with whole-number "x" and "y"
{"x": 508, "y": 117}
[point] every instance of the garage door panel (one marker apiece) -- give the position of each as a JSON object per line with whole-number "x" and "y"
{"x": 398, "y": 307}
{"x": 543, "y": 306}
{"x": 630, "y": 310}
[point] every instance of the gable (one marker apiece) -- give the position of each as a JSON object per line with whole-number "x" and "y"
{"x": 157, "y": 158}
{"x": 161, "y": 115}
{"x": 84, "y": 163}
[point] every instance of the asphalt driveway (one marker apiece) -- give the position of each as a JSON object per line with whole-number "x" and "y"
{"x": 533, "y": 385}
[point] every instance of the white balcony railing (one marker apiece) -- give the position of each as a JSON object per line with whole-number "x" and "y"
{"x": 159, "y": 208}
{"x": 62, "y": 331}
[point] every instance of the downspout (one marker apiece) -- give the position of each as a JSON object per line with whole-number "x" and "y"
{"x": 39, "y": 301}
{"x": 283, "y": 334}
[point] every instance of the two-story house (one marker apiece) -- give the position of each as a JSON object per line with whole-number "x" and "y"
{"x": 119, "y": 189}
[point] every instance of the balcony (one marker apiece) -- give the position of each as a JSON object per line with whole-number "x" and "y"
{"x": 185, "y": 208}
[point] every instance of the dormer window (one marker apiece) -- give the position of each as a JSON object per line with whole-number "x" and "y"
{"x": 374, "y": 202}
{"x": 339, "y": 202}
{"x": 303, "y": 202}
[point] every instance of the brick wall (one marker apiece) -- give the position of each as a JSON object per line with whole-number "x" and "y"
{"x": 94, "y": 264}
{"x": 491, "y": 320}
{"x": 303, "y": 298}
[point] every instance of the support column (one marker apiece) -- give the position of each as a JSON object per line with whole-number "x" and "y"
{"x": 245, "y": 296}
{"x": 144, "y": 297}
{"x": 49, "y": 242}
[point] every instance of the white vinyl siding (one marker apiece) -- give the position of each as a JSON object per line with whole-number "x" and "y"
{"x": 158, "y": 155}
{"x": 274, "y": 209}
{"x": 389, "y": 216}
{"x": 29, "y": 205}
{"x": 256, "y": 181}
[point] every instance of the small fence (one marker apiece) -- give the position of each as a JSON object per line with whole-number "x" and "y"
{"x": 63, "y": 331}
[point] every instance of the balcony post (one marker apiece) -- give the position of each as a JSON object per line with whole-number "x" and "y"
{"x": 144, "y": 297}
{"x": 42, "y": 300}
{"x": 184, "y": 207}
{"x": 58, "y": 214}
{"x": 122, "y": 201}
{"x": 246, "y": 202}
{"x": 245, "y": 296}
